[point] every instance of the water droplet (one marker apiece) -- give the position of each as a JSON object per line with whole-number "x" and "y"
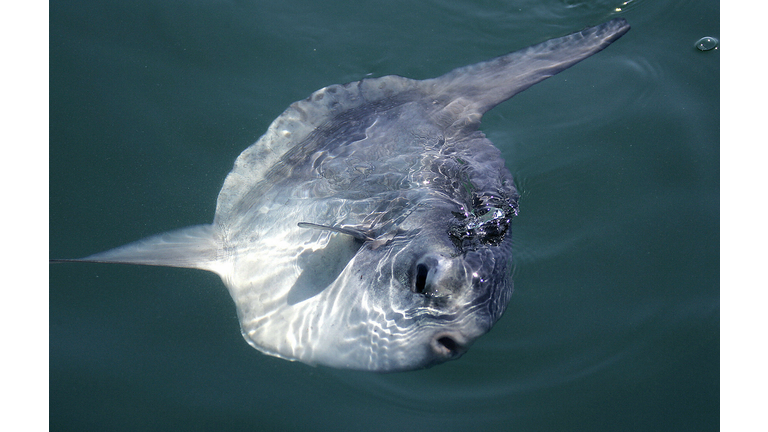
{"x": 707, "y": 43}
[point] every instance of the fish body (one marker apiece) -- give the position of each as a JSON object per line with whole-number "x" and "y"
{"x": 368, "y": 228}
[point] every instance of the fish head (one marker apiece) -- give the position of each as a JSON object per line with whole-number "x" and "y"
{"x": 436, "y": 286}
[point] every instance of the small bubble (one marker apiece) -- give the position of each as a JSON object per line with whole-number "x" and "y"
{"x": 706, "y": 43}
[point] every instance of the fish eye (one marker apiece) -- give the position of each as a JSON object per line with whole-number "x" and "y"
{"x": 420, "y": 283}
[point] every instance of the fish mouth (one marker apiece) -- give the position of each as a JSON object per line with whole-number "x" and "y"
{"x": 449, "y": 345}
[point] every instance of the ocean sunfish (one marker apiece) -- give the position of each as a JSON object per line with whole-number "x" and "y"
{"x": 368, "y": 228}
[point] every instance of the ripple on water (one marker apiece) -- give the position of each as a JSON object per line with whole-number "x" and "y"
{"x": 707, "y": 43}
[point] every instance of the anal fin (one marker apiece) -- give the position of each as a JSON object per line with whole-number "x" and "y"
{"x": 196, "y": 246}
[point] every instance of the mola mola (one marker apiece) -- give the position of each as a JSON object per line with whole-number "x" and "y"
{"x": 368, "y": 228}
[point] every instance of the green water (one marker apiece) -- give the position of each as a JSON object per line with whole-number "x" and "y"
{"x": 614, "y": 323}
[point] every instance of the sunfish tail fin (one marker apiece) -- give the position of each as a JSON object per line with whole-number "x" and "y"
{"x": 484, "y": 85}
{"x": 196, "y": 246}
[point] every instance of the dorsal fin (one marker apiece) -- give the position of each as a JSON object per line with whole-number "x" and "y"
{"x": 481, "y": 86}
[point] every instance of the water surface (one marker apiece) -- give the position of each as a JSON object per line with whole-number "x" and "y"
{"x": 614, "y": 321}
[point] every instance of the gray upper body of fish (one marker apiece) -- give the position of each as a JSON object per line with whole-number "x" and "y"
{"x": 368, "y": 228}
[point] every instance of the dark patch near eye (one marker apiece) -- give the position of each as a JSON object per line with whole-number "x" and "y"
{"x": 484, "y": 222}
